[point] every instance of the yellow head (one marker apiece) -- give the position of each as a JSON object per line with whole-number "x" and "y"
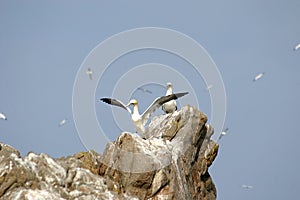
{"x": 132, "y": 102}
{"x": 169, "y": 85}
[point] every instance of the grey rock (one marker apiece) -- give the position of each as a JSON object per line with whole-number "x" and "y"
{"x": 170, "y": 161}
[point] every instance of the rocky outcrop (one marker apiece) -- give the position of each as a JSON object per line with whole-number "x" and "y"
{"x": 170, "y": 161}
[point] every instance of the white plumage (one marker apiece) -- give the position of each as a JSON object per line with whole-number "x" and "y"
{"x": 170, "y": 106}
{"x": 90, "y": 73}
{"x": 223, "y": 133}
{"x": 297, "y": 47}
{"x": 62, "y": 122}
{"x": 2, "y": 116}
{"x": 258, "y": 76}
{"x": 140, "y": 120}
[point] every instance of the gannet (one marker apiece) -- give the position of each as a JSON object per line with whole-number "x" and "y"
{"x": 62, "y": 122}
{"x": 138, "y": 120}
{"x": 145, "y": 90}
{"x": 90, "y": 73}
{"x": 297, "y": 47}
{"x": 258, "y": 76}
{"x": 223, "y": 133}
{"x": 247, "y": 186}
{"x": 209, "y": 87}
{"x": 2, "y": 116}
{"x": 170, "y": 106}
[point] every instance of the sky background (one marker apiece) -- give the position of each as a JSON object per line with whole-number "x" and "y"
{"x": 43, "y": 44}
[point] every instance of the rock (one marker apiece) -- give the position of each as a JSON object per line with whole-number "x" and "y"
{"x": 170, "y": 161}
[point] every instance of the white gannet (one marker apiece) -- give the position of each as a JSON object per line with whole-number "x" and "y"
{"x": 247, "y": 187}
{"x": 297, "y": 47}
{"x": 2, "y": 116}
{"x": 258, "y": 76}
{"x": 90, "y": 73}
{"x": 138, "y": 120}
{"x": 170, "y": 106}
{"x": 144, "y": 90}
{"x": 223, "y": 133}
{"x": 209, "y": 87}
{"x": 62, "y": 122}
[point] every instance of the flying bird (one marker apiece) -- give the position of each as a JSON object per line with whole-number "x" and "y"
{"x": 170, "y": 106}
{"x": 209, "y": 87}
{"x": 145, "y": 90}
{"x": 297, "y": 47}
{"x": 90, "y": 73}
{"x": 2, "y": 116}
{"x": 258, "y": 76}
{"x": 138, "y": 120}
{"x": 62, "y": 122}
{"x": 247, "y": 187}
{"x": 223, "y": 133}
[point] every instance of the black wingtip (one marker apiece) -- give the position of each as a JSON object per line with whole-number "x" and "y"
{"x": 106, "y": 100}
{"x": 178, "y": 95}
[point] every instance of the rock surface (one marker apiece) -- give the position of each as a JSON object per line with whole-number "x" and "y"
{"x": 170, "y": 161}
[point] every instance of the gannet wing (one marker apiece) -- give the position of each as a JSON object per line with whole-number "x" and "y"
{"x": 157, "y": 103}
{"x": 115, "y": 102}
{"x": 258, "y": 76}
{"x": 2, "y": 116}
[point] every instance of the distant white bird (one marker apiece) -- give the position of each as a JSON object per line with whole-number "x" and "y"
{"x": 258, "y": 76}
{"x": 138, "y": 120}
{"x": 62, "y": 122}
{"x": 247, "y": 187}
{"x": 297, "y": 47}
{"x": 2, "y": 116}
{"x": 209, "y": 87}
{"x": 223, "y": 133}
{"x": 170, "y": 106}
{"x": 144, "y": 90}
{"x": 90, "y": 73}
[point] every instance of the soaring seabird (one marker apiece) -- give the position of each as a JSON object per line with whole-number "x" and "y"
{"x": 247, "y": 186}
{"x": 297, "y": 47}
{"x": 62, "y": 122}
{"x": 223, "y": 133}
{"x": 209, "y": 87}
{"x": 138, "y": 120}
{"x": 2, "y": 116}
{"x": 258, "y": 76}
{"x": 90, "y": 73}
{"x": 170, "y": 106}
{"x": 145, "y": 90}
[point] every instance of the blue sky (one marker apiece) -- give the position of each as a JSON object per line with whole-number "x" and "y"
{"x": 44, "y": 43}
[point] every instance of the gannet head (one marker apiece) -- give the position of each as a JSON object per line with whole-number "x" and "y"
{"x": 169, "y": 85}
{"x": 132, "y": 102}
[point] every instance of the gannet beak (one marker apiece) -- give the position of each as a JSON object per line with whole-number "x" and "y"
{"x": 128, "y": 104}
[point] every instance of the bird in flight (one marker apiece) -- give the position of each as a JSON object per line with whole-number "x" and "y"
{"x": 140, "y": 120}
{"x": 62, "y": 122}
{"x": 144, "y": 90}
{"x": 247, "y": 187}
{"x": 90, "y": 73}
{"x": 209, "y": 87}
{"x": 223, "y": 133}
{"x": 258, "y": 76}
{"x": 2, "y": 116}
{"x": 297, "y": 47}
{"x": 170, "y": 106}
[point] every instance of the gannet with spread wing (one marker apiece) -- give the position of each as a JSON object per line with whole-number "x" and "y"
{"x": 138, "y": 120}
